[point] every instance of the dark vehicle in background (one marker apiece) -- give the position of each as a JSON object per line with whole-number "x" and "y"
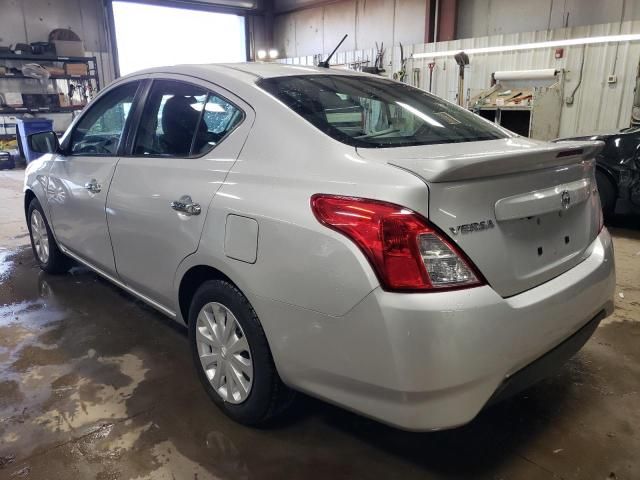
{"x": 617, "y": 168}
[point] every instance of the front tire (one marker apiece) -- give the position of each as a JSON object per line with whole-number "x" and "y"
{"x": 45, "y": 249}
{"x": 232, "y": 356}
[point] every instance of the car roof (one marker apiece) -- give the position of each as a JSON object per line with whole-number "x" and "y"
{"x": 270, "y": 70}
{"x": 247, "y": 72}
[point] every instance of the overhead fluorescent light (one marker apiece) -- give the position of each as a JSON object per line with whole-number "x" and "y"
{"x": 227, "y": 3}
{"x": 630, "y": 37}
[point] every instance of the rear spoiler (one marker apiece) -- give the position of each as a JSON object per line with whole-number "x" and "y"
{"x": 487, "y": 163}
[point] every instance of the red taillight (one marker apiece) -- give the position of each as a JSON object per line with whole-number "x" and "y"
{"x": 406, "y": 252}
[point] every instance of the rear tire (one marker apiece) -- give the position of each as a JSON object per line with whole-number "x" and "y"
{"x": 608, "y": 194}
{"x": 255, "y": 394}
{"x": 45, "y": 249}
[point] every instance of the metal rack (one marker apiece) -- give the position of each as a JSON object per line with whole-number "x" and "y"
{"x": 92, "y": 77}
{"x": 527, "y": 102}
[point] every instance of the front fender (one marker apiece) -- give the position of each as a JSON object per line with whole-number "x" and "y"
{"x": 36, "y": 181}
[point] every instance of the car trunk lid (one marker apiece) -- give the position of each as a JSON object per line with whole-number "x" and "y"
{"x": 523, "y": 211}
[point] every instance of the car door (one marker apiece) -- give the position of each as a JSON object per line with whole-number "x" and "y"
{"x": 79, "y": 178}
{"x": 188, "y": 136}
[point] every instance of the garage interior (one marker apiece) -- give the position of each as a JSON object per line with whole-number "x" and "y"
{"x": 94, "y": 383}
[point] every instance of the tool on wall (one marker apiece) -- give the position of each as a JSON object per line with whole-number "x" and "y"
{"x": 462, "y": 59}
{"x": 358, "y": 65}
{"x": 83, "y": 92}
{"x": 432, "y": 66}
{"x": 90, "y": 90}
{"x": 378, "y": 67}
{"x": 416, "y": 77}
{"x": 380, "y": 57}
{"x": 402, "y": 73}
{"x": 71, "y": 91}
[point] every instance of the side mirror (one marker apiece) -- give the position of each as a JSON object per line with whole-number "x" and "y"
{"x": 43, "y": 142}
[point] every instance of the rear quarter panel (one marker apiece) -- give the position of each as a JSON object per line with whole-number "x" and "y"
{"x": 299, "y": 262}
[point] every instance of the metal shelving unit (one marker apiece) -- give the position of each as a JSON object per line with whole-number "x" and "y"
{"x": 89, "y": 61}
{"x": 17, "y": 110}
{"x": 9, "y": 60}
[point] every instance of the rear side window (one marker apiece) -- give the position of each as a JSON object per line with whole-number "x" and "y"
{"x": 219, "y": 117}
{"x": 374, "y": 112}
{"x": 182, "y": 120}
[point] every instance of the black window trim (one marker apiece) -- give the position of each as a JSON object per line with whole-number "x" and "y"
{"x": 132, "y": 132}
{"x": 66, "y": 146}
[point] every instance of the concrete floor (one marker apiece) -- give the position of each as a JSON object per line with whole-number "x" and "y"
{"x": 94, "y": 384}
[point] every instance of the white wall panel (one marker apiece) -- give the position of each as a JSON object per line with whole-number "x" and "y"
{"x": 404, "y": 20}
{"x": 309, "y": 29}
{"x": 365, "y": 21}
{"x": 409, "y": 21}
{"x": 12, "y": 28}
{"x": 478, "y": 18}
{"x": 284, "y": 35}
{"x": 597, "y": 105}
{"x": 374, "y": 23}
{"x": 338, "y": 20}
{"x": 32, "y": 20}
{"x": 26, "y": 21}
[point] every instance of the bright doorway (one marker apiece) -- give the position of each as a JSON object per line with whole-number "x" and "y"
{"x": 152, "y": 36}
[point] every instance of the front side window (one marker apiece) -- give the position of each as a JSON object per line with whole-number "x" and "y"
{"x": 182, "y": 120}
{"x": 98, "y": 132}
{"x": 375, "y": 112}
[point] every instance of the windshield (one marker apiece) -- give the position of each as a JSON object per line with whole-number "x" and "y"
{"x": 375, "y": 112}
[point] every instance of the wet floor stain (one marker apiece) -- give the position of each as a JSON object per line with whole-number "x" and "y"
{"x": 87, "y": 401}
{"x": 10, "y": 393}
{"x": 93, "y": 384}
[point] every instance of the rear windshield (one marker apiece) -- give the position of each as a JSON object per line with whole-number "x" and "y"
{"x": 375, "y": 112}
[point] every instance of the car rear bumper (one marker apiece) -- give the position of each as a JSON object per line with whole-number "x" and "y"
{"x": 546, "y": 365}
{"x": 433, "y": 361}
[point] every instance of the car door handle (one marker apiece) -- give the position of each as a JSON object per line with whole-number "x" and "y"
{"x": 186, "y": 205}
{"x": 93, "y": 186}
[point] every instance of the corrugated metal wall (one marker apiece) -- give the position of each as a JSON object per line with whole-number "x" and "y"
{"x": 597, "y": 105}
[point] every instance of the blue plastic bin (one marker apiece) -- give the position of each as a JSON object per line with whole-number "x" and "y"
{"x": 29, "y": 126}
{"x": 6, "y": 161}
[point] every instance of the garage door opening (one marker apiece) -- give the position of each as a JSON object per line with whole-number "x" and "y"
{"x": 152, "y": 36}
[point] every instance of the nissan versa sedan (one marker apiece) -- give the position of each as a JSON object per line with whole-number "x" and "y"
{"x": 332, "y": 233}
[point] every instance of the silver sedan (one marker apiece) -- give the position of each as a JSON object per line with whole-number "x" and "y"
{"x": 330, "y": 232}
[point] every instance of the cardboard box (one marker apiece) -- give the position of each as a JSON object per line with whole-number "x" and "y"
{"x": 12, "y": 99}
{"x": 76, "y": 69}
{"x": 55, "y": 71}
{"x": 67, "y": 48}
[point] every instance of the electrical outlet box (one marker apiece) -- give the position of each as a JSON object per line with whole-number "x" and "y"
{"x": 612, "y": 79}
